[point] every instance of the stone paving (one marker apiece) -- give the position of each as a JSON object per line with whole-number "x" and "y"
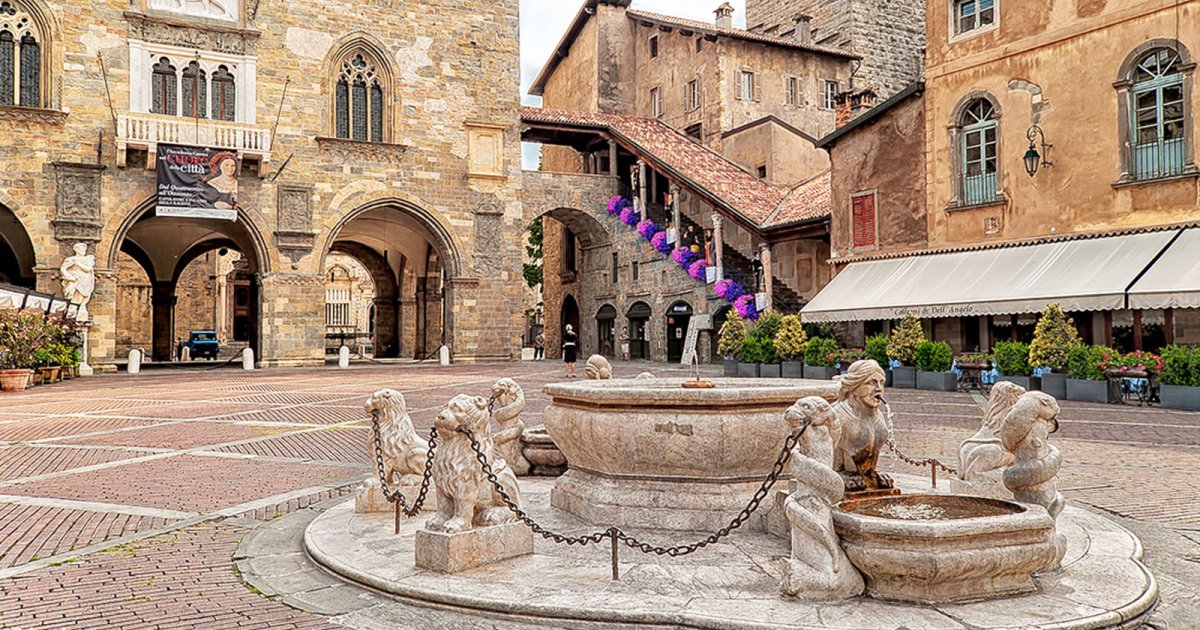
{"x": 123, "y": 498}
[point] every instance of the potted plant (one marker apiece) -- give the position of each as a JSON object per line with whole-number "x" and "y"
{"x": 789, "y": 343}
{"x": 765, "y": 330}
{"x": 876, "y": 348}
{"x": 1180, "y": 378}
{"x": 818, "y": 358}
{"x": 749, "y": 357}
{"x": 933, "y": 367}
{"x": 902, "y": 351}
{"x": 1012, "y": 360}
{"x": 1086, "y": 380}
{"x": 729, "y": 344}
{"x": 1053, "y": 339}
{"x": 845, "y": 357}
{"x": 21, "y": 334}
{"x": 49, "y": 369}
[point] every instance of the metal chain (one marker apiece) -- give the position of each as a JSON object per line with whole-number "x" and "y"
{"x": 397, "y": 496}
{"x": 615, "y": 533}
{"x": 895, "y": 447}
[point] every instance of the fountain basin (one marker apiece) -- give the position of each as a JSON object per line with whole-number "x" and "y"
{"x": 931, "y": 549}
{"x": 650, "y": 454}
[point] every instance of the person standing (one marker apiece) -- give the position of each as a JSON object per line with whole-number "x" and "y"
{"x": 539, "y": 347}
{"x": 570, "y": 341}
{"x": 624, "y": 340}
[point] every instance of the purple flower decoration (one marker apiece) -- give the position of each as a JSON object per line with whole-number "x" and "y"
{"x": 699, "y": 270}
{"x": 721, "y": 287}
{"x": 678, "y": 254}
{"x": 745, "y": 307}
{"x": 647, "y": 229}
{"x": 616, "y": 204}
{"x": 628, "y": 216}
{"x": 659, "y": 241}
{"x": 734, "y": 291}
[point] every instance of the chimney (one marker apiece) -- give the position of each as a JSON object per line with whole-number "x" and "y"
{"x": 724, "y": 17}
{"x": 852, "y": 104}
{"x": 803, "y": 33}
{"x": 844, "y": 111}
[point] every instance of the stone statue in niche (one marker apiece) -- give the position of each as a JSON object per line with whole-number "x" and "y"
{"x": 598, "y": 368}
{"x": 864, "y": 429}
{"x": 1025, "y": 433}
{"x": 818, "y": 569}
{"x": 466, "y": 499}
{"x": 404, "y": 452}
{"x": 511, "y": 399}
{"x": 982, "y": 457}
{"x": 79, "y": 280}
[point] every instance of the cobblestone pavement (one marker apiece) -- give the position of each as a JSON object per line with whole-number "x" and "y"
{"x": 123, "y": 498}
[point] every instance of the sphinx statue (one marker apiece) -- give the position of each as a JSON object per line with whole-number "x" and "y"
{"x": 864, "y": 428}
{"x": 818, "y": 569}
{"x": 1025, "y": 433}
{"x": 982, "y": 458}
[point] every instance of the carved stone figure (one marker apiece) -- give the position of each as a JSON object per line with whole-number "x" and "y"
{"x": 982, "y": 456}
{"x": 79, "y": 279}
{"x": 598, "y": 368}
{"x": 818, "y": 569}
{"x": 511, "y": 399}
{"x": 864, "y": 428}
{"x": 1025, "y": 432}
{"x": 466, "y": 499}
{"x": 404, "y": 452}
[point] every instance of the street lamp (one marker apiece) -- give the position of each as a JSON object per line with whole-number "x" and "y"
{"x": 1033, "y": 159}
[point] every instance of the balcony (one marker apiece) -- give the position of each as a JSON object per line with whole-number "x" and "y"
{"x": 145, "y": 131}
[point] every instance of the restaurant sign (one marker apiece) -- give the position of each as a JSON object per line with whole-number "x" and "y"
{"x": 197, "y": 183}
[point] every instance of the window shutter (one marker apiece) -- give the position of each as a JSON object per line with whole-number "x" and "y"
{"x": 757, "y": 91}
{"x": 863, "y": 220}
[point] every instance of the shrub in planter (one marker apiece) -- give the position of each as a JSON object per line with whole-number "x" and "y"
{"x": 876, "y": 348}
{"x": 819, "y": 355}
{"x": 1012, "y": 360}
{"x": 1087, "y": 381}
{"x": 1053, "y": 339}
{"x": 789, "y": 343}
{"x": 22, "y": 334}
{"x": 845, "y": 357}
{"x": 1180, "y": 378}
{"x": 729, "y": 342}
{"x": 933, "y": 360}
{"x": 905, "y": 338}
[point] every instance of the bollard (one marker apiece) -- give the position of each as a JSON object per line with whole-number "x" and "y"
{"x": 247, "y": 359}
{"x": 135, "y": 361}
{"x": 344, "y": 357}
{"x": 185, "y": 355}
{"x": 444, "y": 355}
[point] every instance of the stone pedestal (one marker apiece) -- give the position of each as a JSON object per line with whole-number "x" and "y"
{"x": 369, "y": 499}
{"x": 455, "y": 553}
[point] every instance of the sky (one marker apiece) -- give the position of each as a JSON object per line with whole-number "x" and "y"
{"x": 543, "y": 23}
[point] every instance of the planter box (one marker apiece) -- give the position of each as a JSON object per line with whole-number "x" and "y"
{"x": 793, "y": 369}
{"x": 747, "y": 369}
{"x": 887, "y": 379}
{"x": 1093, "y": 391}
{"x": 1181, "y": 397}
{"x": 1020, "y": 381}
{"x": 904, "y": 377}
{"x": 15, "y": 380}
{"x": 770, "y": 370}
{"x": 1055, "y": 385}
{"x": 819, "y": 373}
{"x": 731, "y": 367}
{"x": 937, "y": 381}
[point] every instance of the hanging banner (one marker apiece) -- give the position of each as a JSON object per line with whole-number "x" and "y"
{"x": 197, "y": 183}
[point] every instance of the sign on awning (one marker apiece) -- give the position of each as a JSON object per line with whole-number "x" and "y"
{"x": 197, "y": 183}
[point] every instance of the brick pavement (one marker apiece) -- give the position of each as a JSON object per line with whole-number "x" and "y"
{"x": 174, "y": 464}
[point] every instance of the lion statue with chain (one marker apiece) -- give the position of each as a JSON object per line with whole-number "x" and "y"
{"x": 394, "y": 442}
{"x": 511, "y": 400}
{"x": 466, "y": 497}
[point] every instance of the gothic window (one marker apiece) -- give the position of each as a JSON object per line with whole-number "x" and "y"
{"x": 359, "y": 100}
{"x": 978, "y": 135}
{"x": 21, "y": 57}
{"x": 163, "y": 84}
{"x": 195, "y": 91}
{"x": 1159, "y": 115}
{"x": 224, "y": 94}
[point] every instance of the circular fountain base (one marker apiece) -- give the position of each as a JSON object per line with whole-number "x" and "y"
{"x": 733, "y": 584}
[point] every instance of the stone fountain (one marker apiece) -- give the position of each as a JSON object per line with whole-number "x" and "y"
{"x": 861, "y": 550}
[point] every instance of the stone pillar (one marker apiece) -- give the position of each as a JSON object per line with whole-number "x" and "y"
{"x": 408, "y": 327}
{"x": 642, "y": 187}
{"x": 293, "y": 320}
{"x": 675, "y": 210}
{"x": 387, "y": 343}
{"x": 612, "y": 160}
{"x": 162, "y": 320}
{"x": 719, "y": 244}
{"x": 764, "y": 253}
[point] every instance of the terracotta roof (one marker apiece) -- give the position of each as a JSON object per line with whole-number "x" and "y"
{"x": 914, "y": 89}
{"x": 757, "y": 204}
{"x": 709, "y": 28}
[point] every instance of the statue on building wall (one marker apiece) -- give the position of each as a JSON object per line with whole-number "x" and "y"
{"x": 864, "y": 428}
{"x": 79, "y": 279}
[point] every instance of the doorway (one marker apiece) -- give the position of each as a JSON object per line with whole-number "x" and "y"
{"x": 639, "y": 331}
{"x": 678, "y": 318}
{"x": 606, "y": 330}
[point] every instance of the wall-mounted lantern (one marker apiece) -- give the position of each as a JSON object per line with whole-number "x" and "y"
{"x": 1033, "y": 159}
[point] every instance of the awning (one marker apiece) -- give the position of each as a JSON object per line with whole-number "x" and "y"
{"x": 1173, "y": 281}
{"x": 1080, "y": 275}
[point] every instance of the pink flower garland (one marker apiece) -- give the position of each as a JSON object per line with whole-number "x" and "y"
{"x": 628, "y": 216}
{"x": 745, "y": 308}
{"x": 659, "y": 241}
{"x": 699, "y": 270}
{"x": 616, "y": 204}
{"x": 647, "y": 229}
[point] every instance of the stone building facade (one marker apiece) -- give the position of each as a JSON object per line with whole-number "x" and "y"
{"x": 889, "y": 35}
{"x": 389, "y": 135}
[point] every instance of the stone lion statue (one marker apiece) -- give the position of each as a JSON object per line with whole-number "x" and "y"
{"x": 598, "y": 368}
{"x": 511, "y": 399}
{"x": 465, "y": 497}
{"x": 404, "y": 452}
{"x": 864, "y": 427}
{"x": 1025, "y": 433}
{"x": 818, "y": 569}
{"x": 980, "y": 456}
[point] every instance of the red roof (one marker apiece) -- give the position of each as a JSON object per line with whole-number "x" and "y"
{"x": 705, "y": 171}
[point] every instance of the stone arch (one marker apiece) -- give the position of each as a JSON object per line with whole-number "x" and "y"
{"x": 1125, "y": 72}
{"x": 1124, "y": 86}
{"x": 18, "y": 257}
{"x": 960, "y": 108}
{"x": 373, "y": 49}
{"x": 252, "y": 237}
{"x": 437, "y": 227}
{"x": 590, "y": 232}
{"x": 386, "y": 306}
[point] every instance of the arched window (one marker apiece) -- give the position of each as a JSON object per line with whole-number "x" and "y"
{"x": 224, "y": 94}
{"x": 195, "y": 91}
{"x": 359, "y": 100}
{"x": 163, "y": 84}
{"x": 978, "y": 142}
{"x": 21, "y": 57}
{"x": 1158, "y": 115}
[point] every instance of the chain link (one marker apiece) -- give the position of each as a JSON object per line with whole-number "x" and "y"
{"x": 397, "y": 496}
{"x": 912, "y": 461}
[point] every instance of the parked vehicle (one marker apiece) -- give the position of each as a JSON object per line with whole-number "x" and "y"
{"x": 203, "y": 344}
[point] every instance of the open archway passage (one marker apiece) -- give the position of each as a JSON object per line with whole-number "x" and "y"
{"x": 17, "y": 257}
